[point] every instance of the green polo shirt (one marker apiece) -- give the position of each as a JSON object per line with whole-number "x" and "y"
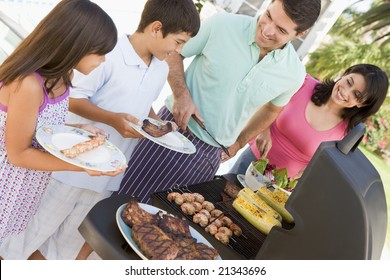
{"x": 226, "y": 81}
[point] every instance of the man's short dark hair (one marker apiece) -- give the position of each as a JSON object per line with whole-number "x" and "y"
{"x": 303, "y": 13}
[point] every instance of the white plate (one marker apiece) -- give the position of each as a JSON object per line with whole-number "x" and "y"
{"x": 241, "y": 179}
{"x": 126, "y": 230}
{"x": 55, "y": 138}
{"x": 172, "y": 140}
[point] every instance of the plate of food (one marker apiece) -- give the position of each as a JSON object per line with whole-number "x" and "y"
{"x": 164, "y": 135}
{"x": 80, "y": 147}
{"x": 241, "y": 179}
{"x": 261, "y": 173}
{"x": 153, "y": 234}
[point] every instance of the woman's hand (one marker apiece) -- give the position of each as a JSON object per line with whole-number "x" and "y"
{"x": 264, "y": 142}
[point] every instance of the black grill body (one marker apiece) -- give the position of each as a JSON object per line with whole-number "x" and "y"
{"x": 339, "y": 209}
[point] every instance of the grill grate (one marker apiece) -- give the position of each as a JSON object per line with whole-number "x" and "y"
{"x": 248, "y": 244}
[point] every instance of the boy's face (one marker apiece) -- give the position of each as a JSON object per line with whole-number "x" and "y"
{"x": 275, "y": 28}
{"x": 171, "y": 43}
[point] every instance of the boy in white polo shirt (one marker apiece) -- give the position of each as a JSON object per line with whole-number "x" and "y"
{"x": 122, "y": 90}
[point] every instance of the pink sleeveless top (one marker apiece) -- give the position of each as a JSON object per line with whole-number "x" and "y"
{"x": 294, "y": 141}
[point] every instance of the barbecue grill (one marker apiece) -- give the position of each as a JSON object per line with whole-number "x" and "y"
{"x": 338, "y": 205}
{"x": 339, "y": 209}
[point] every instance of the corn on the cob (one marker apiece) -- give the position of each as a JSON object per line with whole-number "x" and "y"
{"x": 250, "y": 196}
{"x": 276, "y": 199}
{"x": 256, "y": 216}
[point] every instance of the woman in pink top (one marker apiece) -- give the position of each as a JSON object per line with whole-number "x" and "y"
{"x": 318, "y": 112}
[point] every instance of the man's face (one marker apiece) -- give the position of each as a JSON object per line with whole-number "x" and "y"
{"x": 275, "y": 28}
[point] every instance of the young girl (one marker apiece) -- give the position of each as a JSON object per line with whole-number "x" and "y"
{"x": 34, "y": 89}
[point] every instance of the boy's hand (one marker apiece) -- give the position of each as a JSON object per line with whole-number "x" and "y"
{"x": 121, "y": 123}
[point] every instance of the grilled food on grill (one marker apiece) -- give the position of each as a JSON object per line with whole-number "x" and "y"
{"x": 236, "y": 229}
{"x": 231, "y": 189}
{"x": 276, "y": 199}
{"x": 188, "y": 208}
{"x": 188, "y": 197}
{"x": 223, "y": 238}
{"x": 156, "y": 130}
{"x": 226, "y": 231}
{"x": 208, "y": 205}
{"x": 84, "y": 147}
{"x": 256, "y": 216}
{"x": 250, "y": 196}
{"x": 176, "y": 197}
{"x": 200, "y": 219}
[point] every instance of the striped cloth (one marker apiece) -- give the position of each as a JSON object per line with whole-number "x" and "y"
{"x": 153, "y": 168}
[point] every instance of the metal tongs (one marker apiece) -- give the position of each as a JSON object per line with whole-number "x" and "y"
{"x": 201, "y": 124}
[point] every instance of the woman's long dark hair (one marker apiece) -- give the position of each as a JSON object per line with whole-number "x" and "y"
{"x": 73, "y": 29}
{"x": 377, "y": 84}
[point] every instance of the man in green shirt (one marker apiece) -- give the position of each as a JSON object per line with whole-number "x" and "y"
{"x": 244, "y": 71}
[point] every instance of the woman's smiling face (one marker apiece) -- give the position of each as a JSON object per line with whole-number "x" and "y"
{"x": 348, "y": 90}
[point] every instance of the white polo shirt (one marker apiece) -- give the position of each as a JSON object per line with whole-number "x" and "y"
{"x": 122, "y": 84}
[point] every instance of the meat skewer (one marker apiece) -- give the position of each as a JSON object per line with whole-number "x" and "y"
{"x": 84, "y": 147}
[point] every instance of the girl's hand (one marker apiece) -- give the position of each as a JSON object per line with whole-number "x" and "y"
{"x": 106, "y": 173}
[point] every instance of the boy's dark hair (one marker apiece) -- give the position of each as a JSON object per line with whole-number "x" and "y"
{"x": 73, "y": 29}
{"x": 377, "y": 84}
{"x": 175, "y": 16}
{"x": 303, "y": 13}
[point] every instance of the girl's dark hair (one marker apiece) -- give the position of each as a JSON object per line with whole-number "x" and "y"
{"x": 303, "y": 13}
{"x": 372, "y": 98}
{"x": 175, "y": 16}
{"x": 73, "y": 29}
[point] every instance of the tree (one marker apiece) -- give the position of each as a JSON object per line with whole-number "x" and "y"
{"x": 375, "y": 22}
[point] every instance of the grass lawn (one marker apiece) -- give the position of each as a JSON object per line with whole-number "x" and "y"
{"x": 384, "y": 171}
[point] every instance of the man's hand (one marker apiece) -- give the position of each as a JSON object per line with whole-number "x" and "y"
{"x": 182, "y": 109}
{"x": 233, "y": 149}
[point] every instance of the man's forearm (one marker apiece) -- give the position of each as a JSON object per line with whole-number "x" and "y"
{"x": 176, "y": 77}
{"x": 261, "y": 120}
